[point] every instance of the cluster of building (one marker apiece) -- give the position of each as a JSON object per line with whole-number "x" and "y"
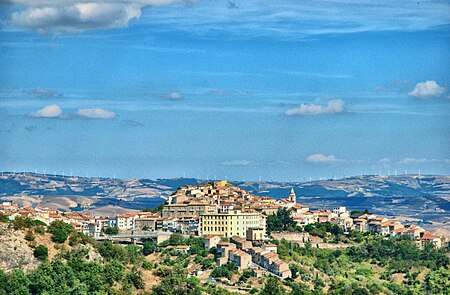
{"x": 220, "y": 209}
{"x": 244, "y": 255}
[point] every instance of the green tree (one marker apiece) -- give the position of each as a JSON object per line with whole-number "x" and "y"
{"x": 281, "y": 221}
{"x": 149, "y": 247}
{"x": 16, "y": 283}
{"x": 437, "y": 282}
{"x": 176, "y": 282}
{"x": 300, "y": 289}
{"x": 41, "y": 252}
{"x": 111, "y": 230}
{"x": 273, "y": 286}
{"x": 110, "y": 252}
{"x": 60, "y": 231}
{"x": 176, "y": 239}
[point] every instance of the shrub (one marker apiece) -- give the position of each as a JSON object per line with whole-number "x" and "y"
{"x": 41, "y": 252}
{"x": 149, "y": 248}
{"x": 29, "y": 236}
{"x": 60, "y": 231}
{"x": 111, "y": 230}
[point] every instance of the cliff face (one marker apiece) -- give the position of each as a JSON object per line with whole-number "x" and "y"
{"x": 14, "y": 250}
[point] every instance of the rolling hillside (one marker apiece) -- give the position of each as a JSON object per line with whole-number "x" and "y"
{"x": 420, "y": 197}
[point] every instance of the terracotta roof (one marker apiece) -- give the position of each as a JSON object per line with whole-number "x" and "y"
{"x": 428, "y": 236}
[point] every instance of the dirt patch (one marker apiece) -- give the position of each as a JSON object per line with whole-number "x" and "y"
{"x": 150, "y": 280}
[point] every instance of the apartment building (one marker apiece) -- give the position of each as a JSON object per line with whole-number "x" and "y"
{"x": 232, "y": 223}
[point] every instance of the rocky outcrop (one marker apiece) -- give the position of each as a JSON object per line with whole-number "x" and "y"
{"x": 15, "y": 253}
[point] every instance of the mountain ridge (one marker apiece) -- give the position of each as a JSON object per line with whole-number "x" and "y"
{"x": 425, "y": 197}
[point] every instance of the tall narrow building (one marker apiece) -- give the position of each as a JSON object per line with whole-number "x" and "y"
{"x": 292, "y": 197}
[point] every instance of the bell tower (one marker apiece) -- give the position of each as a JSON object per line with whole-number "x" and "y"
{"x": 292, "y": 197}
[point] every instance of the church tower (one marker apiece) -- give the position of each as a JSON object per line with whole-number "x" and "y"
{"x": 292, "y": 197}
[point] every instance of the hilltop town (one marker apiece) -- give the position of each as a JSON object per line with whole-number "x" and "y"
{"x": 231, "y": 220}
{"x": 419, "y": 198}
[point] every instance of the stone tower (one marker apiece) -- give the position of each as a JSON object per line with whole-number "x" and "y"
{"x": 292, "y": 197}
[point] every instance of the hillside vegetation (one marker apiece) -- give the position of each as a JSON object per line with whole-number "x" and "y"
{"x": 67, "y": 262}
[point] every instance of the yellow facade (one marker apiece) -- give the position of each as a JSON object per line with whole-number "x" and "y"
{"x": 232, "y": 223}
{"x": 220, "y": 183}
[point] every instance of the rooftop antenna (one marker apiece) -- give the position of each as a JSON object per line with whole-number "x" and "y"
{"x": 419, "y": 172}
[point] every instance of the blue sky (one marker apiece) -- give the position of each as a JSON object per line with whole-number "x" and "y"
{"x": 280, "y": 90}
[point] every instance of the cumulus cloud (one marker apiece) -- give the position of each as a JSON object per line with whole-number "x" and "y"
{"x": 74, "y": 16}
{"x": 322, "y": 159}
{"x": 427, "y": 89}
{"x": 50, "y": 111}
{"x": 334, "y": 106}
{"x": 174, "y": 96}
{"x": 44, "y": 93}
{"x": 236, "y": 163}
{"x": 95, "y": 113}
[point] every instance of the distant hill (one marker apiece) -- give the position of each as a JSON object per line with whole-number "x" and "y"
{"x": 423, "y": 197}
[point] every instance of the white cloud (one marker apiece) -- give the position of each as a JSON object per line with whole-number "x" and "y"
{"x": 407, "y": 161}
{"x": 67, "y": 16}
{"x": 334, "y": 106}
{"x": 427, "y": 89}
{"x": 236, "y": 163}
{"x": 96, "y": 113}
{"x": 50, "y": 111}
{"x": 322, "y": 159}
{"x": 174, "y": 96}
{"x": 254, "y": 17}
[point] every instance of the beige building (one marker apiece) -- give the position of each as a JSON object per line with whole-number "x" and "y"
{"x": 189, "y": 209}
{"x": 211, "y": 241}
{"x": 148, "y": 223}
{"x": 232, "y": 223}
{"x": 241, "y": 243}
{"x": 240, "y": 258}
{"x": 255, "y": 233}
